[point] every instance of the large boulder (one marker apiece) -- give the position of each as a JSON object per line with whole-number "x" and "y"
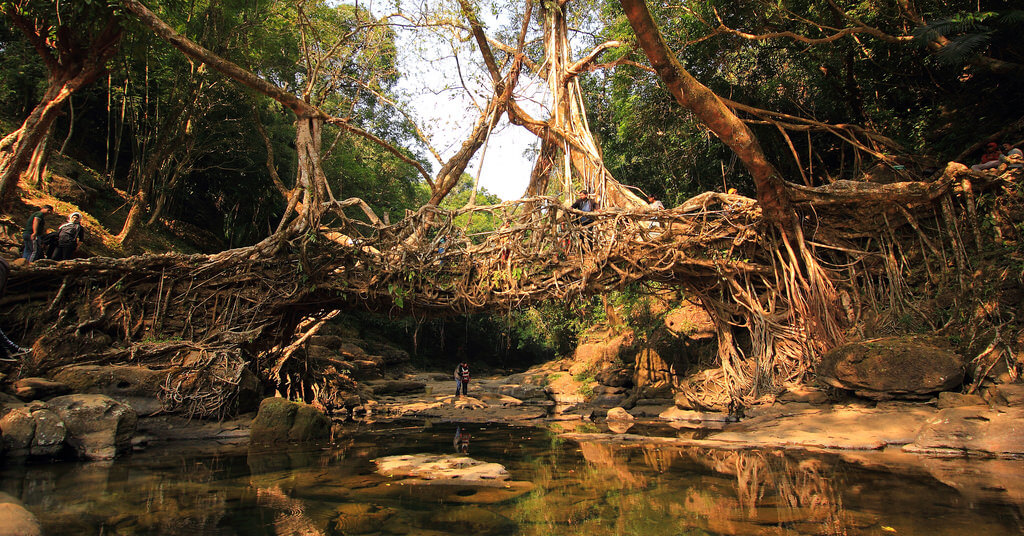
{"x": 139, "y": 387}
{"x": 16, "y": 520}
{"x": 32, "y": 429}
{"x": 98, "y": 427}
{"x": 893, "y": 367}
{"x": 280, "y": 420}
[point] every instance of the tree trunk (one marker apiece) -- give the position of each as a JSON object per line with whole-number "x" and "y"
{"x": 40, "y": 158}
{"x": 709, "y": 108}
{"x": 18, "y": 151}
{"x": 569, "y": 118}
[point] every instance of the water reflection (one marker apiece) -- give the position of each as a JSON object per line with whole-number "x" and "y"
{"x": 593, "y": 488}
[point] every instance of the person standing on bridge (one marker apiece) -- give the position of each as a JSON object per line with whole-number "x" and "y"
{"x": 461, "y": 379}
{"x": 585, "y": 204}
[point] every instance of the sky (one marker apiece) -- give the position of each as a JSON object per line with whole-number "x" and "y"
{"x": 448, "y": 116}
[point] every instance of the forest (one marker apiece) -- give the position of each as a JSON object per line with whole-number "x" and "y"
{"x": 258, "y": 127}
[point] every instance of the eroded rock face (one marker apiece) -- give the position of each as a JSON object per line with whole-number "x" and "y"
{"x": 98, "y": 427}
{"x": 139, "y": 387}
{"x": 893, "y": 367}
{"x": 998, "y": 431}
{"x": 280, "y": 421}
{"x": 33, "y": 430}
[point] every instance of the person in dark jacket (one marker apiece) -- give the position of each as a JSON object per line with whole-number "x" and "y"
{"x": 8, "y": 349}
{"x": 68, "y": 237}
{"x": 33, "y": 235}
{"x": 461, "y": 379}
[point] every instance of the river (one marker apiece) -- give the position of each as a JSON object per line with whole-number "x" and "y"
{"x": 556, "y": 487}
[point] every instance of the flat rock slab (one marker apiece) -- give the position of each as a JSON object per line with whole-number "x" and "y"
{"x": 441, "y": 467}
{"x": 840, "y": 427}
{"x": 996, "y": 431}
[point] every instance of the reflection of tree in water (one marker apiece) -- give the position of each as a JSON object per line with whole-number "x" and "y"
{"x": 775, "y": 486}
{"x": 658, "y": 489}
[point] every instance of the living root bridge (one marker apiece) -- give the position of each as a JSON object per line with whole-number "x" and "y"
{"x": 238, "y": 308}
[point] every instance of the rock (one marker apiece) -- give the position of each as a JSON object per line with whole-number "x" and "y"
{"x": 280, "y": 420}
{"x": 392, "y": 387}
{"x": 441, "y": 466}
{"x": 893, "y": 367}
{"x": 803, "y": 394}
{"x": 677, "y": 414}
{"x": 690, "y": 320}
{"x": 139, "y": 387}
{"x": 16, "y": 520}
{"x": 364, "y": 369}
{"x": 682, "y": 401}
{"x": 38, "y": 388}
{"x": 1010, "y": 394}
{"x": 98, "y": 427}
{"x": 522, "y": 392}
{"x": 608, "y": 400}
{"x": 619, "y": 414}
{"x": 972, "y": 429}
{"x": 32, "y": 430}
{"x": 949, "y": 399}
{"x": 593, "y": 357}
{"x": 615, "y": 377}
{"x": 843, "y": 427}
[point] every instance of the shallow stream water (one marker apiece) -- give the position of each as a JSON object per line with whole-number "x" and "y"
{"x": 557, "y": 487}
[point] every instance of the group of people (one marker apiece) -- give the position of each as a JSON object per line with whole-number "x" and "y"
{"x": 57, "y": 245}
{"x": 995, "y": 156}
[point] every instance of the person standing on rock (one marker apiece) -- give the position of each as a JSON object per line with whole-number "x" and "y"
{"x": 34, "y": 231}
{"x": 7, "y": 348}
{"x": 461, "y": 379}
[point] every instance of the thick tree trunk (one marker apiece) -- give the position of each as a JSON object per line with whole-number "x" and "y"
{"x": 18, "y": 151}
{"x": 709, "y": 108}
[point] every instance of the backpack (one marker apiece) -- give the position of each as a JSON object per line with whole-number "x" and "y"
{"x": 67, "y": 235}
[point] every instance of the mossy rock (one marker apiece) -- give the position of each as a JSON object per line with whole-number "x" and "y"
{"x": 893, "y": 367}
{"x": 280, "y": 420}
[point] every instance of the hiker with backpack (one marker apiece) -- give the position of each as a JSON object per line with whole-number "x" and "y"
{"x": 68, "y": 237}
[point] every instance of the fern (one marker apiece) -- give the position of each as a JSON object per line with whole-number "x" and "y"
{"x": 961, "y": 49}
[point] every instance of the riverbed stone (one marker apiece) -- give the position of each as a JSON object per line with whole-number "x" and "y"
{"x": 38, "y": 388}
{"x": 892, "y": 367}
{"x": 32, "y": 429}
{"x": 619, "y": 414}
{"x": 16, "y": 520}
{"x": 1007, "y": 394}
{"x": 997, "y": 431}
{"x": 948, "y": 399}
{"x": 280, "y": 420}
{"x": 98, "y": 427}
{"x": 441, "y": 466}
